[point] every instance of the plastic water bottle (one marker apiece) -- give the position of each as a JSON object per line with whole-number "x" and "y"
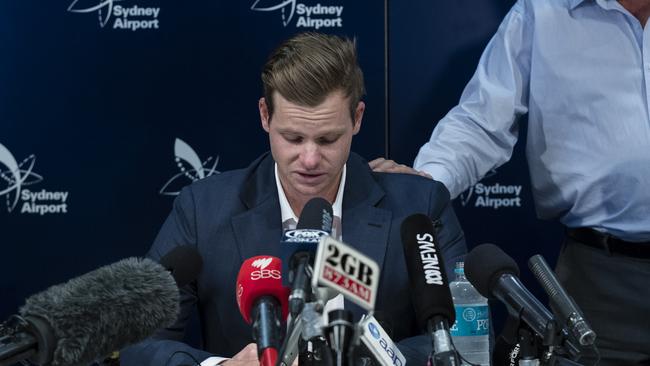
{"x": 471, "y": 331}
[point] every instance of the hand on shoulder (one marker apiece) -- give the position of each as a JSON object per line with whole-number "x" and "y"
{"x": 390, "y": 166}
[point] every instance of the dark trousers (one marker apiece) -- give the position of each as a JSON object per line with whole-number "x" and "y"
{"x": 613, "y": 291}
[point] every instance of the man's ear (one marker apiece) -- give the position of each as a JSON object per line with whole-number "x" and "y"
{"x": 358, "y": 116}
{"x": 264, "y": 114}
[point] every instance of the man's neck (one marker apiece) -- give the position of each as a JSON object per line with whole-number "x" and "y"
{"x": 639, "y": 8}
{"x": 291, "y": 205}
{"x": 297, "y": 203}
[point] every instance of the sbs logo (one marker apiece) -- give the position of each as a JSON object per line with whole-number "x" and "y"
{"x": 189, "y": 166}
{"x": 262, "y": 263}
{"x": 263, "y": 273}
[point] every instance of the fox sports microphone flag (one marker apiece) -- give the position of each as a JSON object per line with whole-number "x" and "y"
{"x": 301, "y": 243}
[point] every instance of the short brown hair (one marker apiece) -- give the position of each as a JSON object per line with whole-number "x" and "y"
{"x": 308, "y": 67}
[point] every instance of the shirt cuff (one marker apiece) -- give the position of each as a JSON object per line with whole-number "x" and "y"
{"x": 442, "y": 175}
{"x": 213, "y": 361}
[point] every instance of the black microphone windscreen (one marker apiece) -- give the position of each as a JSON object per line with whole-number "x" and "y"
{"x": 485, "y": 264}
{"x": 106, "y": 309}
{"x": 426, "y": 269}
{"x": 317, "y": 214}
{"x": 184, "y": 263}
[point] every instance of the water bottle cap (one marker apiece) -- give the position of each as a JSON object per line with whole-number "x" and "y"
{"x": 460, "y": 268}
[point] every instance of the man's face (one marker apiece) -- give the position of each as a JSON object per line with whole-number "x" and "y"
{"x": 310, "y": 144}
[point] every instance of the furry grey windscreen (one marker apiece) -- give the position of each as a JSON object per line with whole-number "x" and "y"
{"x": 106, "y": 309}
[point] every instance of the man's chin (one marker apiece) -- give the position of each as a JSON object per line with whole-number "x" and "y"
{"x": 309, "y": 191}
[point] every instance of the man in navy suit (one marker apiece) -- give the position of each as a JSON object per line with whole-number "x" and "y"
{"x": 311, "y": 109}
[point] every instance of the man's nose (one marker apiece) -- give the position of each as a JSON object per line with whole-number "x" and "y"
{"x": 310, "y": 156}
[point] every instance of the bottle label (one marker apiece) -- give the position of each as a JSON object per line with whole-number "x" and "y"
{"x": 471, "y": 321}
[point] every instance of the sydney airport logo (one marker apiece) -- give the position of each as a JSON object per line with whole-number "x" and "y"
{"x": 15, "y": 177}
{"x": 493, "y": 196}
{"x": 190, "y": 168}
{"x": 123, "y": 17}
{"x": 307, "y": 16}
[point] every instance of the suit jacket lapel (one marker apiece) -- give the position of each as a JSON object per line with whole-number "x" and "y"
{"x": 258, "y": 229}
{"x": 365, "y": 225}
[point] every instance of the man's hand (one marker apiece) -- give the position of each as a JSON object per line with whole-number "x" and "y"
{"x": 390, "y": 166}
{"x": 247, "y": 356}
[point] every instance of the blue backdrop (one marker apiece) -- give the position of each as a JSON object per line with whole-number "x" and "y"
{"x": 109, "y": 107}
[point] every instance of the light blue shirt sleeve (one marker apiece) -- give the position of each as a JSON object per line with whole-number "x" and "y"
{"x": 480, "y": 132}
{"x": 580, "y": 70}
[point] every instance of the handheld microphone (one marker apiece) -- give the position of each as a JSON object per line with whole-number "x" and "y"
{"x": 495, "y": 275}
{"x": 262, "y": 301}
{"x": 97, "y": 313}
{"x": 315, "y": 222}
{"x": 378, "y": 343}
{"x": 434, "y": 307}
{"x": 564, "y": 304}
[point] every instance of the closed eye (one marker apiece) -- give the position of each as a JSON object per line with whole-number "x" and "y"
{"x": 326, "y": 141}
{"x": 294, "y": 139}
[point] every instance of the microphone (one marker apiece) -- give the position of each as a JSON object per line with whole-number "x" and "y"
{"x": 317, "y": 214}
{"x": 495, "y": 275}
{"x": 261, "y": 299}
{"x": 344, "y": 269}
{"x": 378, "y": 343}
{"x": 315, "y": 222}
{"x": 568, "y": 310}
{"x": 101, "y": 311}
{"x": 434, "y": 307}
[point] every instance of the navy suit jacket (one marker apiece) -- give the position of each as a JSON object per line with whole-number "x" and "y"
{"x": 236, "y": 215}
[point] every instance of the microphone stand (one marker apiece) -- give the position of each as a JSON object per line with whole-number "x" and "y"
{"x": 548, "y": 349}
{"x": 340, "y": 332}
{"x": 314, "y": 350}
{"x": 529, "y": 348}
{"x": 289, "y": 350}
{"x": 445, "y": 353}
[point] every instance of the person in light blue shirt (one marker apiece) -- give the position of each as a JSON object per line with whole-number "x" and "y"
{"x": 580, "y": 70}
